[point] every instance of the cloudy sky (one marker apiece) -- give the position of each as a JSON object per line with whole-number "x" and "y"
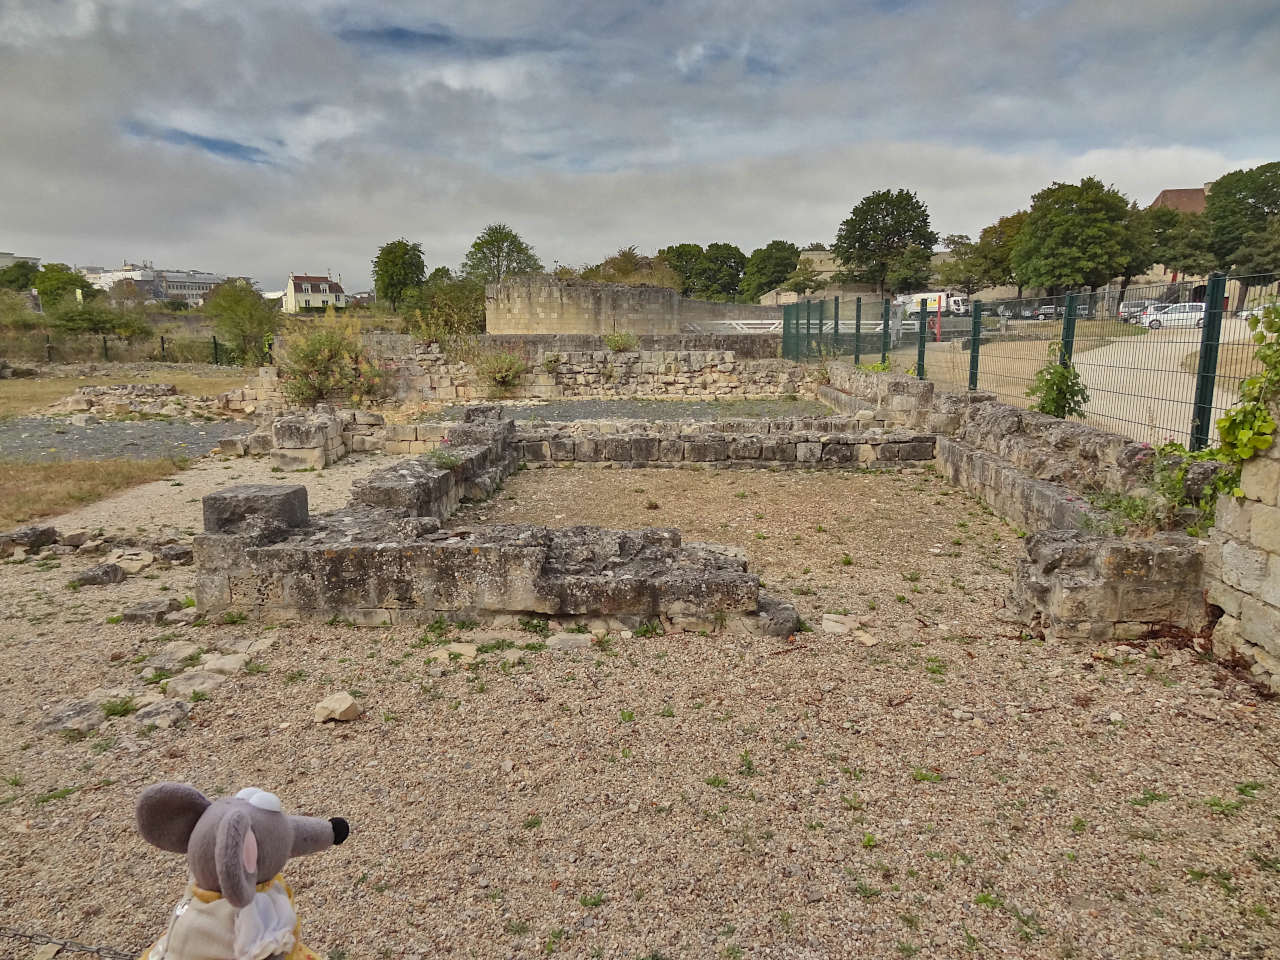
{"x": 267, "y": 136}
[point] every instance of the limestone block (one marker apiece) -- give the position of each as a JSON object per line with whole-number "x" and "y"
{"x": 646, "y": 449}
{"x": 396, "y": 446}
{"x": 368, "y": 418}
{"x": 888, "y": 451}
{"x": 536, "y": 451}
{"x": 562, "y": 448}
{"x": 233, "y": 446}
{"x": 226, "y": 509}
{"x": 401, "y": 432}
{"x": 1233, "y": 517}
{"x": 1260, "y": 480}
{"x": 1264, "y": 527}
{"x": 745, "y": 448}
{"x": 1243, "y": 567}
{"x": 670, "y": 450}
{"x": 300, "y": 432}
{"x": 836, "y": 452}
{"x": 419, "y": 447}
{"x": 586, "y": 449}
{"x": 299, "y": 459}
{"x": 775, "y": 447}
{"x": 1260, "y": 624}
{"x": 259, "y": 444}
{"x": 916, "y": 450}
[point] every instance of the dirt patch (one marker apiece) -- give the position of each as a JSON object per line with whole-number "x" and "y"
{"x": 952, "y": 785}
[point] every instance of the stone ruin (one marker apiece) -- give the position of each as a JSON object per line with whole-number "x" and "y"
{"x": 387, "y": 558}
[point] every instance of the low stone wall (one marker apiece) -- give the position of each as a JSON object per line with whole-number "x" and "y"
{"x": 1242, "y": 569}
{"x": 384, "y": 558}
{"x": 809, "y": 443}
{"x": 744, "y": 346}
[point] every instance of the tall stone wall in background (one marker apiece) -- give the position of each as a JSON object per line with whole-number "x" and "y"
{"x": 543, "y": 305}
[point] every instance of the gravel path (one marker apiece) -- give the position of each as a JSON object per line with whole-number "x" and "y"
{"x": 598, "y": 409}
{"x": 56, "y": 438}
{"x": 951, "y": 788}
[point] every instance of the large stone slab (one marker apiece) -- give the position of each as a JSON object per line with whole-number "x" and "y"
{"x": 225, "y": 510}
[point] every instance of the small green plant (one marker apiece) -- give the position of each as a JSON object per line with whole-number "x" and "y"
{"x": 746, "y": 766}
{"x": 199, "y": 696}
{"x": 551, "y": 362}
{"x": 1057, "y": 388}
{"x": 234, "y": 616}
{"x": 621, "y": 342}
{"x": 501, "y": 370}
{"x": 119, "y": 707}
{"x": 1148, "y": 797}
{"x": 1224, "y": 808}
{"x": 444, "y": 459}
{"x": 591, "y": 899}
{"x": 716, "y": 781}
{"x": 923, "y": 775}
{"x": 56, "y": 794}
{"x": 535, "y": 625}
{"x": 254, "y": 667}
{"x": 1079, "y": 825}
{"x": 650, "y": 628}
{"x": 627, "y": 716}
{"x": 532, "y": 822}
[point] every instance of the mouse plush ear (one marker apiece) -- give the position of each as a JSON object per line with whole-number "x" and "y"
{"x": 235, "y": 858}
{"x": 168, "y": 812}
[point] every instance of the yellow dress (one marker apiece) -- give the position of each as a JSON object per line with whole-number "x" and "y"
{"x": 206, "y": 928}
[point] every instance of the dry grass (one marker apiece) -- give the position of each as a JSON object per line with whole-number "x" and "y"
{"x": 1235, "y": 360}
{"x": 29, "y": 491}
{"x": 23, "y": 396}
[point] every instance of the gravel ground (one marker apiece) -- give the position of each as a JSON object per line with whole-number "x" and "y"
{"x": 945, "y": 784}
{"x": 56, "y": 438}
{"x": 599, "y": 409}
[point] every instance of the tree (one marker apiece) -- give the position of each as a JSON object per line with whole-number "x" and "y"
{"x": 909, "y": 270}
{"x": 995, "y": 247}
{"x": 19, "y": 276}
{"x": 243, "y": 318}
{"x": 446, "y": 309}
{"x": 1139, "y": 244}
{"x": 1259, "y": 251}
{"x": 718, "y": 275}
{"x": 634, "y": 268}
{"x": 96, "y": 317}
{"x": 963, "y": 270}
{"x": 682, "y": 258}
{"x": 16, "y": 312}
{"x": 57, "y": 280}
{"x": 397, "y": 267}
{"x": 1074, "y": 235}
{"x": 1182, "y": 244}
{"x": 497, "y": 253}
{"x": 804, "y": 279}
{"x": 879, "y": 230}
{"x": 1238, "y": 204}
{"x": 767, "y": 268}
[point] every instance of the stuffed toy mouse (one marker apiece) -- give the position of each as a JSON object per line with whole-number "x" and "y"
{"x": 237, "y": 906}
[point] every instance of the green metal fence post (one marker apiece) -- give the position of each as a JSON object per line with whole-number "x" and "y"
{"x": 808, "y": 328}
{"x": 835, "y": 326}
{"x": 1068, "y": 345}
{"x": 857, "y": 331}
{"x": 162, "y": 347}
{"x": 104, "y": 348}
{"x": 822, "y": 312}
{"x": 975, "y": 341}
{"x": 786, "y": 317}
{"x": 215, "y": 349}
{"x": 48, "y": 348}
{"x": 884, "y": 334}
{"x": 1207, "y": 371}
{"x": 924, "y": 311}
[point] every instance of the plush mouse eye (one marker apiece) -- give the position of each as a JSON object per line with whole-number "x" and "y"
{"x": 266, "y": 801}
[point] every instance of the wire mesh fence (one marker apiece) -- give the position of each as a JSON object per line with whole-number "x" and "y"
{"x": 40, "y": 346}
{"x": 1159, "y": 362}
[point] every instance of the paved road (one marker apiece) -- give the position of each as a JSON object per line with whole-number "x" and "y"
{"x": 55, "y": 438}
{"x": 596, "y": 409}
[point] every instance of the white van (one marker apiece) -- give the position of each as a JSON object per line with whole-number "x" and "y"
{"x": 1174, "y": 315}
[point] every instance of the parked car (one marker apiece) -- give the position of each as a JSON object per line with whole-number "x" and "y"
{"x": 1258, "y": 310}
{"x": 1174, "y": 315}
{"x": 1046, "y": 312}
{"x": 1131, "y": 310}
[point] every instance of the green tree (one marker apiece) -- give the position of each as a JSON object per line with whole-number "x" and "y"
{"x": 878, "y": 231}
{"x": 683, "y": 258}
{"x": 804, "y": 278}
{"x": 244, "y": 318}
{"x": 446, "y": 309}
{"x": 718, "y": 274}
{"x": 1238, "y": 204}
{"x": 19, "y": 276}
{"x": 398, "y": 267}
{"x": 767, "y": 268}
{"x": 909, "y": 270}
{"x": 1139, "y": 249}
{"x": 1259, "y": 251}
{"x": 98, "y": 317}
{"x": 631, "y": 267}
{"x": 497, "y": 253}
{"x": 1074, "y": 235}
{"x": 16, "y": 312}
{"x": 57, "y": 280}
{"x": 995, "y": 249}
{"x": 1182, "y": 244}
{"x": 964, "y": 270}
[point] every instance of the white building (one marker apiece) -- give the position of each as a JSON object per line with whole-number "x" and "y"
{"x": 190, "y": 286}
{"x": 304, "y": 293}
{"x": 9, "y": 259}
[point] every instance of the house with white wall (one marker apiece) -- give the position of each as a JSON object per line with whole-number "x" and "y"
{"x": 308, "y": 294}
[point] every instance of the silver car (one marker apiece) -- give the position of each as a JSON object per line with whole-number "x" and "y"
{"x": 1174, "y": 315}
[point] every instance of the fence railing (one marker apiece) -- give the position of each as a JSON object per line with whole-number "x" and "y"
{"x": 40, "y": 346}
{"x": 1160, "y": 362}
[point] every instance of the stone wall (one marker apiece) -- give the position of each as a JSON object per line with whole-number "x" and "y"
{"x": 1242, "y": 569}
{"x": 744, "y": 346}
{"x": 808, "y": 443}
{"x": 545, "y": 305}
{"x": 384, "y": 558}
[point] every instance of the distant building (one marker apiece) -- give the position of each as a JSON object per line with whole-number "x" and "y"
{"x": 190, "y": 286}
{"x": 312, "y": 294}
{"x": 365, "y": 298}
{"x": 9, "y": 259}
{"x": 1183, "y": 199}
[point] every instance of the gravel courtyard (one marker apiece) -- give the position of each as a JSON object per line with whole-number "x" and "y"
{"x": 934, "y": 783}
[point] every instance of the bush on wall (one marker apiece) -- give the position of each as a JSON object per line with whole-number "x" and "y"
{"x": 324, "y": 360}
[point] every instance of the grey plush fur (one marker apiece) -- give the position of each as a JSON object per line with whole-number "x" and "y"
{"x": 231, "y": 844}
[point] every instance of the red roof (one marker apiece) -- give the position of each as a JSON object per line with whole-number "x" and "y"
{"x": 299, "y": 279}
{"x": 1182, "y": 199}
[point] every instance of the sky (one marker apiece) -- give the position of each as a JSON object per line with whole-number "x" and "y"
{"x": 272, "y": 137}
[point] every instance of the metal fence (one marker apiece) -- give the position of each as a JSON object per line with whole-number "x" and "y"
{"x": 40, "y": 346}
{"x": 1160, "y": 362}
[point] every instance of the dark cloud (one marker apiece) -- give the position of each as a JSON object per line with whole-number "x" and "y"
{"x": 275, "y": 136}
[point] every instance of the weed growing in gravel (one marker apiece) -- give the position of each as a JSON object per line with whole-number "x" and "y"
{"x": 1079, "y": 825}
{"x": 199, "y": 696}
{"x": 115, "y": 619}
{"x": 591, "y": 899}
{"x": 234, "y": 616}
{"x": 1250, "y": 789}
{"x": 716, "y": 781}
{"x": 1220, "y": 877}
{"x": 14, "y": 780}
{"x": 295, "y": 676}
{"x": 1224, "y": 808}
{"x": 746, "y": 766}
{"x": 533, "y": 822}
{"x": 666, "y": 711}
{"x": 552, "y": 943}
{"x": 535, "y": 625}
{"x": 1148, "y": 797}
{"x": 650, "y": 628}
{"x": 56, "y": 794}
{"x": 119, "y": 707}
{"x": 517, "y": 928}
{"x": 159, "y": 676}
{"x": 627, "y": 716}
{"x": 921, "y": 775}
{"x": 869, "y": 841}
{"x": 935, "y": 665}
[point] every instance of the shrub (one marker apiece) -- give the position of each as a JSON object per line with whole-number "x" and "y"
{"x": 1248, "y": 427}
{"x": 324, "y": 360}
{"x": 551, "y": 362}
{"x": 1057, "y": 388}
{"x": 501, "y": 370}
{"x": 618, "y": 342}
